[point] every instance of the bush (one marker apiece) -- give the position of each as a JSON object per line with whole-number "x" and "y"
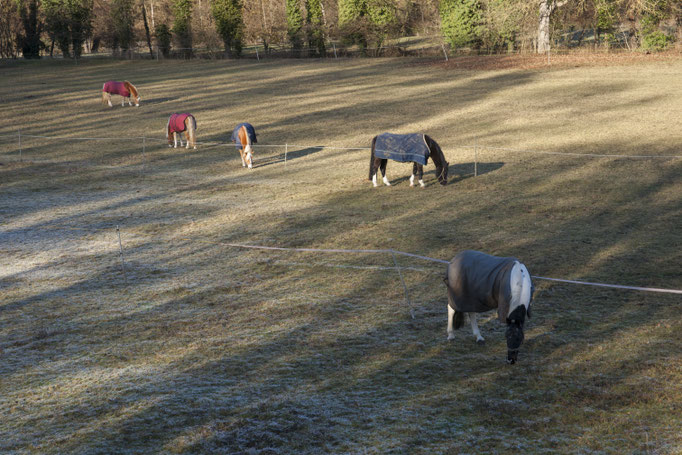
{"x": 163, "y": 38}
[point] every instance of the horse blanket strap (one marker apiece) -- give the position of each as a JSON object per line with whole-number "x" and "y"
{"x": 249, "y": 130}
{"x": 478, "y": 282}
{"x": 116, "y": 88}
{"x": 177, "y": 123}
{"x": 405, "y": 148}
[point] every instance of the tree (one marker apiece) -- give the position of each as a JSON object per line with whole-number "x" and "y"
{"x": 315, "y": 27}
{"x": 547, "y": 7}
{"x": 461, "y": 22}
{"x": 363, "y": 20}
{"x": 182, "y": 24}
{"x": 68, "y": 23}
{"x": 230, "y": 25}
{"x": 29, "y": 41}
{"x": 163, "y": 39}
{"x": 295, "y": 25}
{"x": 122, "y": 20}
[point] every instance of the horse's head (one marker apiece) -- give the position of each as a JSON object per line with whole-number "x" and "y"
{"x": 443, "y": 173}
{"x": 514, "y": 333}
{"x": 248, "y": 155}
{"x": 515, "y": 322}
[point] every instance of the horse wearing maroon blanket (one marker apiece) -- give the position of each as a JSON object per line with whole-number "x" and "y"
{"x": 179, "y": 124}
{"x": 124, "y": 89}
{"x": 478, "y": 282}
{"x": 243, "y": 136}
{"x": 415, "y": 148}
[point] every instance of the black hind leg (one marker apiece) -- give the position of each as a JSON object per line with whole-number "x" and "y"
{"x": 382, "y": 166}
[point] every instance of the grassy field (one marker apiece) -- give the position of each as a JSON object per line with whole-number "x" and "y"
{"x": 203, "y": 348}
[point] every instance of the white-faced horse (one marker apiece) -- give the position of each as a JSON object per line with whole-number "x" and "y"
{"x": 415, "y": 148}
{"x": 179, "y": 124}
{"x": 124, "y": 89}
{"x": 478, "y": 282}
{"x": 243, "y": 136}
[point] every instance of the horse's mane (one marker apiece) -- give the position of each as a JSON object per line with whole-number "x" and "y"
{"x": 131, "y": 88}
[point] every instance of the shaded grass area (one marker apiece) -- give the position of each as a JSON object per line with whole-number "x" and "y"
{"x": 201, "y": 348}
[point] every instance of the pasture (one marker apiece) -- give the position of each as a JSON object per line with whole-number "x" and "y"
{"x": 192, "y": 346}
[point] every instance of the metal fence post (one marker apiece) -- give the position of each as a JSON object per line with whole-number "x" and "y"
{"x": 400, "y": 274}
{"x": 120, "y": 250}
{"x": 20, "y": 155}
{"x": 446, "y": 54}
{"x": 286, "y": 149}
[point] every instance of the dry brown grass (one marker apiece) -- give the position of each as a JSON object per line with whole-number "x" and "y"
{"x": 209, "y": 349}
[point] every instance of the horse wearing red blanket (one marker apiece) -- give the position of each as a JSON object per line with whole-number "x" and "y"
{"x": 179, "y": 124}
{"x": 124, "y": 89}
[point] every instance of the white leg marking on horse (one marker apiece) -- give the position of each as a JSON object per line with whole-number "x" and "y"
{"x": 374, "y": 180}
{"x": 412, "y": 180}
{"x": 386, "y": 182}
{"x": 451, "y": 330}
{"x": 109, "y": 102}
{"x": 421, "y": 183}
{"x": 473, "y": 318}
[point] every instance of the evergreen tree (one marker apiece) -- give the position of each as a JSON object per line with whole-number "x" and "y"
{"x": 230, "y": 25}
{"x": 295, "y": 25}
{"x": 315, "y": 22}
{"x": 461, "y": 22}
{"x": 30, "y": 40}
{"x": 68, "y": 23}
{"x": 182, "y": 24}
{"x": 122, "y": 19}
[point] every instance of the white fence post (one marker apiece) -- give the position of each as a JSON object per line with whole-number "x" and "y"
{"x": 21, "y": 158}
{"x": 334, "y": 46}
{"x": 446, "y": 54}
{"x": 257, "y": 55}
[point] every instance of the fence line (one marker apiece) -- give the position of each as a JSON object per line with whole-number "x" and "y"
{"x": 476, "y": 147}
{"x": 425, "y": 258}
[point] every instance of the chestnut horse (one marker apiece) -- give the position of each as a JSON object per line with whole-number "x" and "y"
{"x": 178, "y": 124}
{"x": 125, "y": 89}
{"x": 415, "y": 148}
{"x": 243, "y": 136}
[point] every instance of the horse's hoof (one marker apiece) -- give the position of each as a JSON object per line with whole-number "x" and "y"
{"x": 480, "y": 342}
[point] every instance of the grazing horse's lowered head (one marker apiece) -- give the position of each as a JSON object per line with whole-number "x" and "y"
{"x": 179, "y": 124}
{"x": 244, "y": 135}
{"x": 478, "y": 282}
{"x": 124, "y": 89}
{"x": 415, "y": 148}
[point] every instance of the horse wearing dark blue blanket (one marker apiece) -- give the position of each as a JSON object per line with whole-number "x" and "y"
{"x": 478, "y": 282}
{"x": 243, "y": 136}
{"x": 407, "y": 148}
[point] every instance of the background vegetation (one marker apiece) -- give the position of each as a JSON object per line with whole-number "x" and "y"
{"x": 34, "y": 27}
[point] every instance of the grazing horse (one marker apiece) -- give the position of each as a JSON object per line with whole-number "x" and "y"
{"x": 125, "y": 89}
{"x": 178, "y": 124}
{"x": 415, "y": 148}
{"x": 478, "y": 282}
{"x": 243, "y": 136}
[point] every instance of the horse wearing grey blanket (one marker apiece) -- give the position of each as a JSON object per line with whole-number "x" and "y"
{"x": 478, "y": 282}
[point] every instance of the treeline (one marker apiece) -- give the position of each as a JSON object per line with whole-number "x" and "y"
{"x": 32, "y": 28}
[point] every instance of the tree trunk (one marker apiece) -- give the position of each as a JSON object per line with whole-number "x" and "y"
{"x": 547, "y": 7}
{"x": 146, "y": 30}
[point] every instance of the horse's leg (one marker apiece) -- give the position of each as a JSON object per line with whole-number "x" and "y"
{"x": 383, "y": 172}
{"x": 373, "y": 167}
{"x": 474, "y": 328}
{"x": 241, "y": 153}
{"x": 175, "y": 141}
{"x": 451, "y": 329}
{"x": 109, "y": 100}
{"x": 414, "y": 172}
{"x": 420, "y": 174}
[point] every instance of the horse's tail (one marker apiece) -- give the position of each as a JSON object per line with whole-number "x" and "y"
{"x": 194, "y": 122}
{"x": 168, "y": 127}
{"x": 104, "y": 93}
{"x": 371, "y": 157}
